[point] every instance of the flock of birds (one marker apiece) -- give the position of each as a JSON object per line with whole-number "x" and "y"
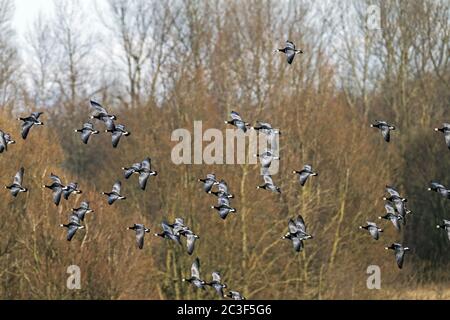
{"x": 396, "y": 210}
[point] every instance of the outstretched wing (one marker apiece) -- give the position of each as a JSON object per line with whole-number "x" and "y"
{"x": 292, "y": 227}
{"x": 190, "y": 242}
{"x": 57, "y": 195}
{"x": 300, "y": 223}
{"x": 235, "y": 116}
{"x": 447, "y": 138}
{"x": 195, "y": 269}
{"x": 140, "y": 233}
{"x": 71, "y": 232}
{"x": 147, "y": 164}
{"x": 389, "y": 208}
{"x": 392, "y": 191}
{"x": 143, "y": 178}
{"x": 26, "y": 126}
{"x": 373, "y": 230}
{"x": 268, "y": 179}
{"x": 117, "y": 187}
{"x": 85, "y": 135}
{"x": 98, "y": 108}
{"x": 304, "y": 177}
{"x": 399, "y": 256}
{"x": 386, "y": 133}
{"x": 3, "y": 144}
{"x": 55, "y": 179}
{"x": 19, "y": 176}
{"x": 216, "y": 277}
{"x": 116, "y": 138}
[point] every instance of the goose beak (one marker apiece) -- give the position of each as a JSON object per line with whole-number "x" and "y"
{"x": 360, "y": 227}
{"x": 384, "y": 198}
{"x": 92, "y": 117}
{"x": 61, "y": 225}
{"x": 226, "y": 122}
{"x": 438, "y": 226}
{"x": 436, "y": 129}
{"x": 380, "y": 218}
{"x": 386, "y": 248}
{"x": 429, "y": 189}
{"x": 183, "y": 280}
{"x": 75, "y": 130}
{"x": 212, "y": 207}
{"x": 294, "y": 171}
{"x": 371, "y": 125}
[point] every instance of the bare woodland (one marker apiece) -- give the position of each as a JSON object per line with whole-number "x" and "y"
{"x": 161, "y": 65}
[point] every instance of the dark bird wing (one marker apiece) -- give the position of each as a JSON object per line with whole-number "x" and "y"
{"x": 57, "y": 195}
{"x": 223, "y": 201}
{"x": 293, "y": 229}
{"x": 304, "y": 177}
{"x": 134, "y": 168}
{"x": 88, "y": 126}
{"x": 386, "y": 132}
{"x": 140, "y": 233}
{"x": 3, "y": 144}
{"x": 36, "y": 115}
{"x": 117, "y": 187}
{"x": 392, "y": 191}
{"x": 268, "y": 180}
{"x": 389, "y": 208}
{"x": 71, "y": 232}
{"x": 395, "y": 221}
{"x": 190, "y": 242}
{"x": 216, "y": 277}
{"x": 26, "y": 126}
{"x": 147, "y": 164}
{"x": 207, "y": 186}
{"x": 85, "y": 135}
{"x": 447, "y": 138}
{"x": 55, "y": 179}
{"x": 223, "y": 212}
{"x": 143, "y": 178}
{"x": 300, "y": 223}
{"x": 19, "y": 177}
{"x": 116, "y": 138}
{"x": 399, "y": 256}
{"x": 373, "y": 230}
{"x": 195, "y": 269}
{"x": 290, "y": 45}
{"x": 222, "y": 186}
{"x": 235, "y": 116}
{"x": 297, "y": 243}
{"x": 98, "y": 108}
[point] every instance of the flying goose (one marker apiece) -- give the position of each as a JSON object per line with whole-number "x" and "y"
{"x": 224, "y": 210}
{"x": 101, "y": 114}
{"x": 87, "y": 131}
{"x": 269, "y": 185}
{"x": 5, "y": 140}
{"x": 82, "y": 210}
{"x": 117, "y": 132}
{"x": 178, "y": 226}
{"x": 266, "y": 158}
{"x": 168, "y": 233}
{"x": 72, "y": 227}
{"x": 439, "y": 188}
{"x": 30, "y": 121}
{"x": 16, "y": 187}
{"x": 399, "y": 251}
{"x": 208, "y": 182}
{"x": 290, "y": 51}
{"x": 222, "y": 186}
{"x": 71, "y": 188}
{"x": 265, "y": 128}
{"x": 235, "y": 295}
{"x": 445, "y": 226}
{"x": 237, "y": 121}
{"x": 133, "y": 169}
{"x": 446, "y": 131}
{"x": 195, "y": 275}
{"x": 398, "y": 201}
{"x": 373, "y": 230}
{"x": 297, "y": 233}
{"x": 57, "y": 187}
{"x": 392, "y": 216}
{"x": 385, "y": 129}
{"x": 217, "y": 284}
{"x": 141, "y": 230}
{"x": 145, "y": 172}
{"x": 191, "y": 237}
{"x": 305, "y": 173}
{"x": 115, "y": 193}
